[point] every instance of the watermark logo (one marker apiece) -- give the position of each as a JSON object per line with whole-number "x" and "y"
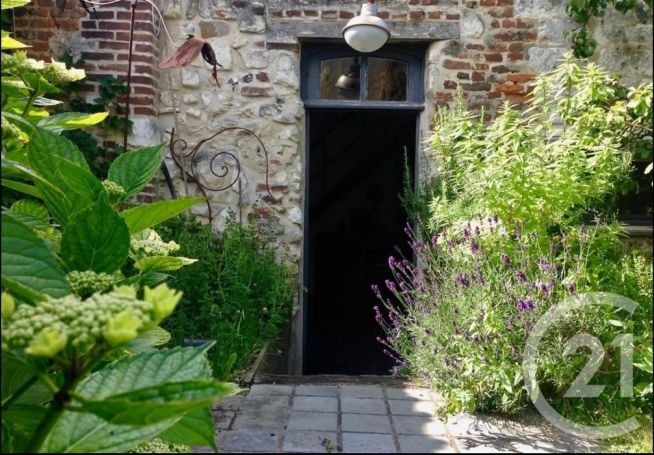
{"x": 581, "y": 388}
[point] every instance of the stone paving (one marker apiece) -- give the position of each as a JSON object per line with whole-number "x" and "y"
{"x": 368, "y": 419}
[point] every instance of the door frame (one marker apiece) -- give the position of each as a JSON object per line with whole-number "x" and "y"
{"x": 304, "y": 297}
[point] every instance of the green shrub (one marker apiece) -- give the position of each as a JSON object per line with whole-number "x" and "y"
{"x": 508, "y": 201}
{"x": 235, "y": 294}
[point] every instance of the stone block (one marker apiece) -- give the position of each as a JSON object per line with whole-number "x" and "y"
{"x": 310, "y": 442}
{"x": 543, "y": 59}
{"x": 190, "y": 78}
{"x": 424, "y": 444}
{"x": 250, "y": 440}
{"x": 363, "y": 405}
{"x": 361, "y": 391}
{"x": 366, "y": 423}
{"x": 263, "y": 411}
{"x": 271, "y": 389}
{"x": 310, "y": 390}
{"x": 315, "y": 404}
{"x": 368, "y": 443}
{"x": 407, "y": 407}
{"x": 223, "y": 54}
{"x": 302, "y": 420}
{"x": 418, "y": 425}
{"x": 210, "y": 29}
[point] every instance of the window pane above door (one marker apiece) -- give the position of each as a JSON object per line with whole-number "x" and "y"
{"x": 387, "y": 79}
{"x": 340, "y": 79}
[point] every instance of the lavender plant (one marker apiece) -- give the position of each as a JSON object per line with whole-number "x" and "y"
{"x": 460, "y": 318}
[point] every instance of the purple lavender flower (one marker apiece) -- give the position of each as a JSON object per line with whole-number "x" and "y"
{"x": 390, "y": 285}
{"x": 466, "y": 233}
{"x": 462, "y": 279}
{"x": 544, "y": 265}
{"x": 378, "y": 315}
{"x": 434, "y": 240}
{"x": 521, "y": 305}
{"x": 474, "y": 247}
{"x": 571, "y": 288}
{"x": 403, "y": 286}
{"x": 521, "y": 276}
{"x": 375, "y": 289}
{"x": 391, "y": 262}
{"x": 506, "y": 259}
{"x": 477, "y": 230}
{"x": 529, "y": 304}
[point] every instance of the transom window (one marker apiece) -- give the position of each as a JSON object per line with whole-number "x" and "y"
{"x": 336, "y": 76}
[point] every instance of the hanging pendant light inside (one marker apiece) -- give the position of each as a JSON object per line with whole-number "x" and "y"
{"x": 366, "y": 32}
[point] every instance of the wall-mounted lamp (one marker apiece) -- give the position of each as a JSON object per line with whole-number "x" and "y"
{"x": 366, "y": 32}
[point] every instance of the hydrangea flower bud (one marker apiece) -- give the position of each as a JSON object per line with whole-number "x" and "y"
{"x": 163, "y": 300}
{"x": 8, "y": 305}
{"x": 114, "y": 190}
{"x": 121, "y": 329}
{"x": 47, "y": 343}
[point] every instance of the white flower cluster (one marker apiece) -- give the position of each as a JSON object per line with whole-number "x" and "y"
{"x": 149, "y": 243}
{"x": 48, "y": 327}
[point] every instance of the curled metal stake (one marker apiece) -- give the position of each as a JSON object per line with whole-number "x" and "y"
{"x": 194, "y": 175}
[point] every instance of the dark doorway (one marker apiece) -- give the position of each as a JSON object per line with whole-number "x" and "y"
{"x": 356, "y": 165}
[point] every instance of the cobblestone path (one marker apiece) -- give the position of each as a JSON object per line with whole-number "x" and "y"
{"x": 347, "y": 418}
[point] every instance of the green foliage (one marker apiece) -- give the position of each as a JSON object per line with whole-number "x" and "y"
{"x": 159, "y": 446}
{"x": 530, "y": 171}
{"x": 235, "y": 294}
{"x": 581, "y": 11}
{"x": 82, "y": 299}
{"x": 506, "y": 246}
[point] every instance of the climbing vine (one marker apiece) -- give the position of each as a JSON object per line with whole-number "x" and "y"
{"x": 581, "y": 11}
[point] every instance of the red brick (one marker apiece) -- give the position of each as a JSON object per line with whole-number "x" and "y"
{"x": 434, "y": 15}
{"x": 522, "y": 24}
{"x": 89, "y": 25}
{"x": 443, "y": 96}
{"x": 463, "y": 76}
{"x": 345, "y": 14}
{"x": 147, "y": 69}
{"x": 383, "y": 14}
{"x": 495, "y": 23}
{"x": 500, "y": 69}
{"x": 399, "y": 16}
{"x": 520, "y": 77}
{"x": 117, "y": 67}
{"x": 450, "y": 85}
{"x": 263, "y": 77}
{"x": 114, "y": 25}
{"x": 429, "y": 2}
{"x": 510, "y": 87}
{"x": 311, "y": 13}
{"x": 487, "y": 3}
{"x": 452, "y": 17}
{"x": 477, "y": 87}
{"x": 504, "y": 12}
{"x": 138, "y": 16}
{"x": 481, "y": 66}
{"x": 140, "y": 110}
{"x": 476, "y": 47}
{"x": 493, "y": 57}
{"x": 478, "y": 76}
{"x": 417, "y": 15}
{"x": 97, "y": 34}
{"x": 329, "y": 14}
{"x": 141, "y": 100}
{"x": 513, "y": 56}
{"x": 143, "y": 90}
{"x": 137, "y": 58}
{"x": 508, "y": 23}
{"x": 456, "y": 65}
{"x": 145, "y": 48}
{"x": 504, "y": 2}
{"x": 414, "y": 2}
{"x": 124, "y": 36}
{"x": 293, "y": 13}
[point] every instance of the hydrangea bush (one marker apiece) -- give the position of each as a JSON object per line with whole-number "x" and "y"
{"x": 82, "y": 288}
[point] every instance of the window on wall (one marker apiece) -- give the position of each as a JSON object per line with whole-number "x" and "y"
{"x": 333, "y": 75}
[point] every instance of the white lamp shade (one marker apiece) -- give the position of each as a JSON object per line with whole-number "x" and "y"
{"x": 365, "y": 38}
{"x": 366, "y": 32}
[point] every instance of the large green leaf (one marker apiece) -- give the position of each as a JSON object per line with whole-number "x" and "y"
{"x": 146, "y": 216}
{"x": 46, "y": 148}
{"x": 162, "y": 263}
{"x": 83, "y": 432}
{"x": 6, "y": 4}
{"x": 71, "y": 121}
{"x": 27, "y": 260}
{"x": 134, "y": 170}
{"x": 22, "y": 187}
{"x": 8, "y": 43}
{"x": 196, "y": 428}
{"x": 31, "y": 213}
{"x": 154, "y": 404}
{"x": 95, "y": 239}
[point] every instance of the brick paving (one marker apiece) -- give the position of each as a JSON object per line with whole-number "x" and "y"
{"x": 349, "y": 418}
